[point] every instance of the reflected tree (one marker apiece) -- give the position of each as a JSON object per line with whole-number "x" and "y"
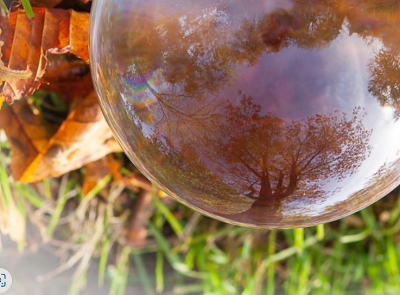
{"x": 384, "y": 83}
{"x": 272, "y": 160}
{"x": 187, "y": 175}
{"x": 308, "y": 24}
{"x": 232, "y": 150}
{"x": 320, "y": 23}
{"x": 176, "y": 59}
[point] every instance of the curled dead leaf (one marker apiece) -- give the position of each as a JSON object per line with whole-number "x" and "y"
{"x": 82, "y": 138}
{"x": 68, "y": 76}
{"x": 26, "y": 133}
{"x": 45, "y": 3}
{"x": 97, "y": 170}
{"x": 25, "y": 43}
{"x": 53, "y": 3}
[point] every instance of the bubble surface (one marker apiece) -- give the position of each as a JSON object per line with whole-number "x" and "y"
{"x": 263, "y": 113}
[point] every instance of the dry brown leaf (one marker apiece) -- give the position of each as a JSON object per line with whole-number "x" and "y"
{"x": 134, "y": 182}
{"x": 82, "y": 138}
{"x": 44, "y": 3}
{"x": 25, "y": 43}
{"x": 67, "y": 76}
{"x": 114, "y": 167}
{"x": 26, "y": 134}
{"x": 96, "y": 171}
{"x": 53, "y": 3}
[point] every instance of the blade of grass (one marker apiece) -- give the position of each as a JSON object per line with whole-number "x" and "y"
{"x": 299, "y": 239}
{"x": 369, "y": 218}
{"x": 271, "y": 266}
{"x": 29, "y": 194}
{"x": 356, "y": 237}
{"x": 290, "y": 284}
{"x": 159, "y": 272}
{"x": 281, "y": 256}
{"x": 3, "y": 12}
{"x": 91, "y": 243}
{"x": 215, "y": 281}
{"x": 201, "y": 261}
{"x": 304, "y": 273}
{"x": 320, "y": 231}
{"x": 62, "y": 200}
{"x": 172, "y": 257}
{"x": 47, "y": 188}
{"x": 161, "y": 207}
{"x": 159, "y": 220}
{"x": 4, "y": 183}
{"x": 143, "y": 274}
{"x": 217, "y": 255}
{"x": 392, "y": 260}
{"x": 218, "y": 234}
{"x": 80, "y": 211}
{"x": 190, "y": 256}
{"x": 104, "y": 252}
{"x": 119, "y": 276}
{"x": 28, "y": 8}
{"x": 247, "y": 255}
{"x": 21, "y": 209}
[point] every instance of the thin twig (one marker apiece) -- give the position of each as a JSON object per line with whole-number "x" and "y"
{"x": 137, "y": 230}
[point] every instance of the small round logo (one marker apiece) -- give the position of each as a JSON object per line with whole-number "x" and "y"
{"x": 5, "y": 280}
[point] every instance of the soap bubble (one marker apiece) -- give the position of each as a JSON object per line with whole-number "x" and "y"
{"x": 263, "y": 113}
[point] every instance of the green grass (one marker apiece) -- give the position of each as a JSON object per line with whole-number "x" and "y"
{"x": 25, "y": 4}
{"x": 188, "y": 253}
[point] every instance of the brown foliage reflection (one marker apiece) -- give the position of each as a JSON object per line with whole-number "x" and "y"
{"x": 385, "y": 78}
{"x": 274, "y": 159}
{"x": 230, "y": 147}
{"x": 199, "y": 54}
{"x": 261, "y": 160}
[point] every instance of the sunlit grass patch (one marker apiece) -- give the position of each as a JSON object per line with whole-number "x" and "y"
{"x": 187, "y": 253}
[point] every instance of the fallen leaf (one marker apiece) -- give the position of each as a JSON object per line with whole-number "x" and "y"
{"x": 45, "y": 3}
{"x": 134, "y": 182}
{"x": 26, "y": 133}
{"x": 53, "y": 3}
{"x": 96, "y": 171}
{"x": 114, "y": 167}
{"x": 68, "y": 76}
{"x": 25, "y": 43}
{"x": 82, "y": 138}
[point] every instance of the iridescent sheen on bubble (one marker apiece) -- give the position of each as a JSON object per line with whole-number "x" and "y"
{"x": 263, "y": 113}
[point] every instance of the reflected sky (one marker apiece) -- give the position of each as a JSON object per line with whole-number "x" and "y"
{"x": 260, "y": 113}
